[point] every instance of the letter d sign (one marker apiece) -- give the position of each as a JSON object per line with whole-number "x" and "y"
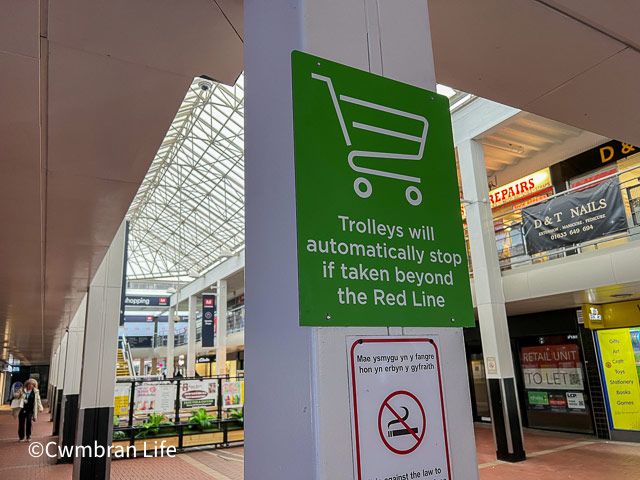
{"x": 603, "y": 153}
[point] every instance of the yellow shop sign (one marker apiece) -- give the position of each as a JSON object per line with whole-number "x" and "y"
{"x": 620, "y": 373}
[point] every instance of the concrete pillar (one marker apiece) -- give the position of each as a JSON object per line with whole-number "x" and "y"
{"x": 384, "y": 38}
{"x": 154, "y": 366}
{"x": 53, "y": 371}
{"x": 492, "y": 315}
{"x": 221, "y": 330}
{"x": 71, "y": 389}
{"x": 97, "y": 384}
{"x": 191, "y": 345}
{"x": 60, "y": 367}
{"x": 171, "y": 325}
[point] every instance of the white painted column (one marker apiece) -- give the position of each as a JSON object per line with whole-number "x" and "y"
{"x": 385, "y": 38}
{"x": 71, "y": 389}
{"x": 53, "y": 389}
{"x": 191, "y": 345}
{"x": 60, "y": 367}
{"x": 171, "y": 325}
{"x": 492, "y": 315}
{"x": 221, "y": 330}
{"x": 97, "y": 384}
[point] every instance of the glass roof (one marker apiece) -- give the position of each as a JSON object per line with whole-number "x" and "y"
{"x": 188, "y": 214}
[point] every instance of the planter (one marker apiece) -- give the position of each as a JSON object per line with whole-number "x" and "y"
{"x": 202, "y": 439}
{"x": 156, "y": 443}
{"x": 235, "y": 435}
{"x": 121, "y": 443}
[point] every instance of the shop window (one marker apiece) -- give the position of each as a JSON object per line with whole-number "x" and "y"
{"x": 553, "y": 384}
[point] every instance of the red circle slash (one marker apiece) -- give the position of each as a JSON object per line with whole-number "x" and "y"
{"x": 384, "y": 405}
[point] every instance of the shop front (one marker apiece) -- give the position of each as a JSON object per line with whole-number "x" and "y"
{"x": 506, "y": 204}
{"x": 616, "y": 329}
{"x": 206, "y": 364}
{"x": 549, "y": 365}
{"x": 553, "y": 385}
{"x": 610, "y": 172}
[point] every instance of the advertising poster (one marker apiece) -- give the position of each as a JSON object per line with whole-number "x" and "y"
{"x": 620, "y": 356}
{"x": 121, "y": 400}
{"x": 232, "y": 394}
{"x": 155, "y": 398}
{"x": 538, "y": 398}
{"x": 575, "y": 218}
{"x": 198, "y": 393}
{"x": 552, "y": 367}
{"x": 575, "y": 400}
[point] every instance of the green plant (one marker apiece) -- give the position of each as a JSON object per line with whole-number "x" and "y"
{"x": 237, "y": 415}
{"x": 200, "y": 419}
{"x": 153, "y": 426}
{"x": 118, "y": 435}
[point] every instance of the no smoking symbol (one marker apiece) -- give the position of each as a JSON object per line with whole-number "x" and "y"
{"x": 402, "y": 422}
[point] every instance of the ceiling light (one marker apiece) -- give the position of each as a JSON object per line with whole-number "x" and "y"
{"x": 509, "y": 147}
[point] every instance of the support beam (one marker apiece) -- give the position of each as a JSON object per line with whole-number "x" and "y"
{"x": 191, "y": 341}
{"x": 97, "y": 384}
{"x": 372, "y": 35}
{"x": 60, "y": 367}
{"x": 171, "y": 325}
{"x": 492, "y": 315}
{"x": 71, "y": 389}
{"x": 221, "y": 330}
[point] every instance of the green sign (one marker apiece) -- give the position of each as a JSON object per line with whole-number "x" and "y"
{"x": 538, "y": 398}
{"x": 380, "y": 239}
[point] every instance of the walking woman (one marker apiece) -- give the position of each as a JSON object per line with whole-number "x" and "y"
{"x": 28, "y": 406}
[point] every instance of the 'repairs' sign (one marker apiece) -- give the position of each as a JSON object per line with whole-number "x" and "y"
{"x": 575, "y": 218}
{"x": 526, "y": 187}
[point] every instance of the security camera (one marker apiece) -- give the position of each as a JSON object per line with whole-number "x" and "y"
{"x": 205, "y": 85}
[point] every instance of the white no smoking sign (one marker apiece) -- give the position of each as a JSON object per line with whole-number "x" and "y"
{"x": 397, "y": 406}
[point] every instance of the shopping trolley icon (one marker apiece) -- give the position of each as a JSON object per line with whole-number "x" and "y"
{"x": 412, "y": 192}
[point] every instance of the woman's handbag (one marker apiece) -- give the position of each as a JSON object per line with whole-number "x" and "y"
{"x": 17, "y": 403}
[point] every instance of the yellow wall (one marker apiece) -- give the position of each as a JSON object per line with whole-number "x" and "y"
{"x": 621, "y": 377}
{"x": 614, "y": 315}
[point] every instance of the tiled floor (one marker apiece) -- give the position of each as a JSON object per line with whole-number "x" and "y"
{"x": 550, "y": 456}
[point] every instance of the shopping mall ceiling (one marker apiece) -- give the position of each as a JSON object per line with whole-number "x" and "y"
{"x": 89, "y": 90}
{"x": 188, "y": 214}
{"x": 573, "y": 61}
{"x": 87, "y": 93}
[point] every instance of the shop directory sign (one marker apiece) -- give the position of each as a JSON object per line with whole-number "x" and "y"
{"x": 380, "y": 239}
{"x": 208, "y": 320}
{"x": 398, "y": 414}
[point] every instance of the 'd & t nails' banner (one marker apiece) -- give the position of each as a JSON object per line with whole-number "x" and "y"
{"x": 574, "y": 218}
